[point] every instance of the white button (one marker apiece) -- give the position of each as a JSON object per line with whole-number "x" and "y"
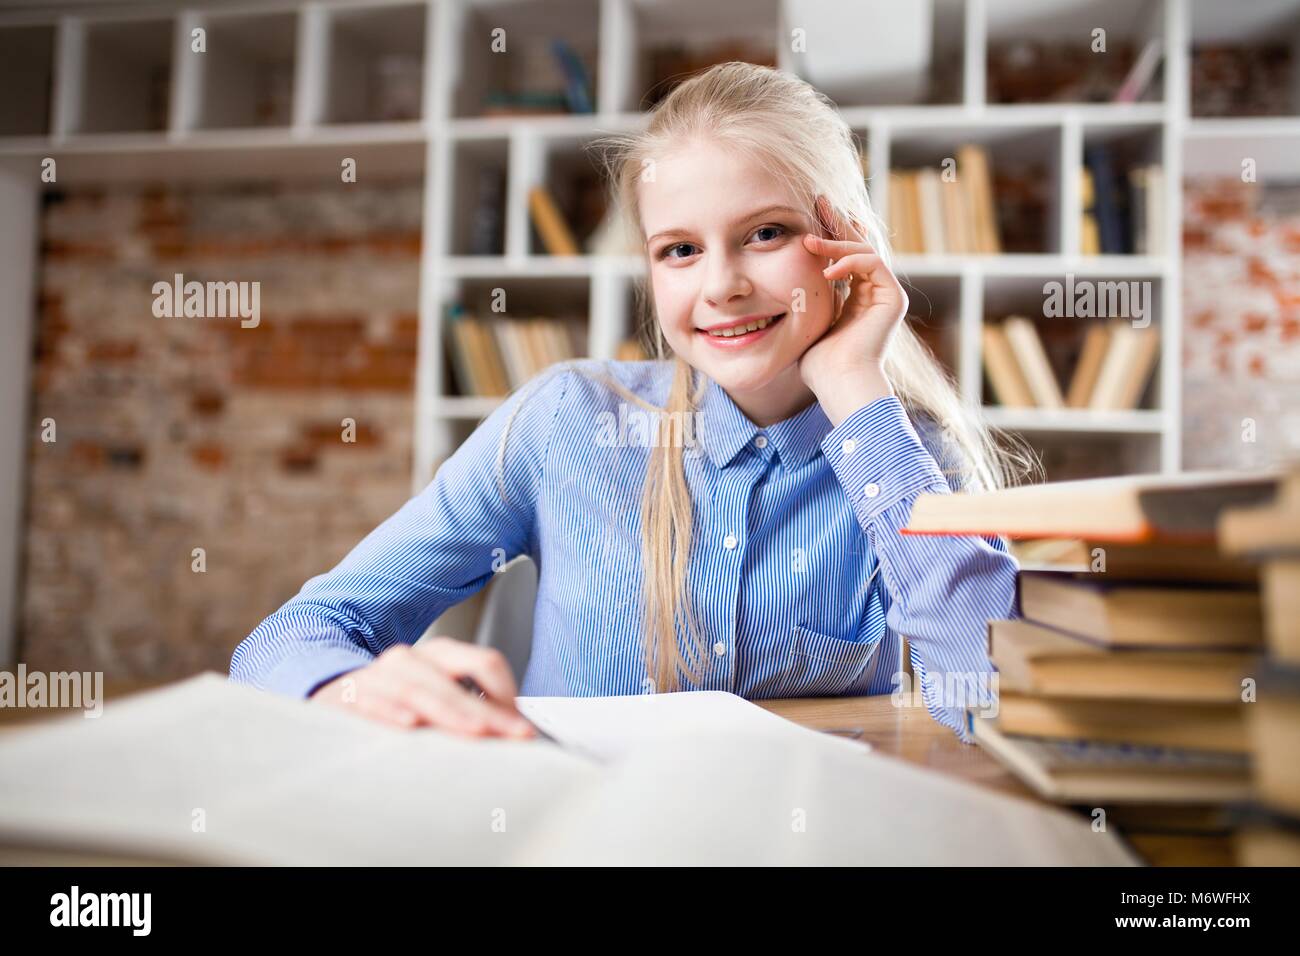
{"x": 849, "y": 446}
{"x": 761, "y": 441}
{"x": 719, "y": 648}
{"x": 729, "y": 542}
{"x": 871, "y": 490}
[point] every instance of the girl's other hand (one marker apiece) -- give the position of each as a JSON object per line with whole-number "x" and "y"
{"x": 845, "y": 367}
{"x": 417, "y": 686}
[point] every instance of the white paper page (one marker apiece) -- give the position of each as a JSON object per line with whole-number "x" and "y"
{"x": 745, "y": 799}
{"x": 608, "y": 728}
{"x": 274, "y": 780}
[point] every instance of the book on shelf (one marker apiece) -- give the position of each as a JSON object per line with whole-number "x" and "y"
{"x": 494, "y": 357}
{"x": 1121, "y": 680}
{"x": 1096, "y": 342}
{"x": 1111, "y": 373}
{"x": 933, "y": 214}
{"x": 551, "y": 77}
{"x": 1006, "y": 379}
{"x": 1126, "y": 367}
{"x": 1030, "y": 356}
{"x": 556, "y": 236}
{"x": 1090, "y": 236}
{"x": 1109, "y": 203}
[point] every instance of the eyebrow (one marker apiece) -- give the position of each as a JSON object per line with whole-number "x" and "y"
{"x": 766, "y": 210}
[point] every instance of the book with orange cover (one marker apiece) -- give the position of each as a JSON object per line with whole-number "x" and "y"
{"x": 1136, "y": 508}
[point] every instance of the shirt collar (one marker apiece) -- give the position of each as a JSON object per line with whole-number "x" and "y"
{"x": 725, "y": 430}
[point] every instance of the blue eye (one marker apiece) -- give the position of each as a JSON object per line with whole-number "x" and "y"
{"x": 778, "y": 230}
{"x": 667, "y": 251}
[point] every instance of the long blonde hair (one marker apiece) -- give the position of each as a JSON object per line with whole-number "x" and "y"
{"x": 787, "y": 124}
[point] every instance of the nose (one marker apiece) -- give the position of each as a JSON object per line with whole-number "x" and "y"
{"x": 725, "y": 280}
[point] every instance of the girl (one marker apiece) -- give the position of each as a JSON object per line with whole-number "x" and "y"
{"x": 747, "y": 538}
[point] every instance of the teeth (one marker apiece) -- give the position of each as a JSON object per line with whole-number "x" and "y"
{"x": 742, "y": 329}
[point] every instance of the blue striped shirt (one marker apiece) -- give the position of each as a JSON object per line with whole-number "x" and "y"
{"x": 800, "y": 579}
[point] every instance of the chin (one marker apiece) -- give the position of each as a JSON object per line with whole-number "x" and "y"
{"x": 743, "y": 376}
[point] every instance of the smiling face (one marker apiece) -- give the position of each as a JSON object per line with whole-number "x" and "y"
{"x": 727, "y": 261}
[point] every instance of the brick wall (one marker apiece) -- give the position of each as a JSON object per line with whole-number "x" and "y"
{"x": 1241, "y": 336}
{"x": 181, "y": 433}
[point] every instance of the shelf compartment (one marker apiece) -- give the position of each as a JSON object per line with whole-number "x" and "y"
{"x": 478, "y": 213}
{"x": 1244, "y": 59}
{"x": 1078, "y": 454}
{"x": 1024, "y": 166}
{"x": 915, "y": 58}
{"x": 127, "y": 77}
{"x": 1044, "y": 53}
{"x": 672, "y": 40}
{"x": 1125, "y": 165}
{"x": 246, "y": 76}
{"x": 530, "y": 76}
{"x": 496, "y": 301}
{"x": 27, "y": 77}
{"x": 571, "y": 174}
{"x": 1062, "y": 309}
{"x": 374, "y": 64}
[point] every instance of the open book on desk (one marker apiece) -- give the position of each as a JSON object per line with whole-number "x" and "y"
{"x": 208, "y": 771}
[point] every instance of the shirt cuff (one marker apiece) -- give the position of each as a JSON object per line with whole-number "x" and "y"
{"x": 299, "y": 675}
{"x": 879, "y": 458}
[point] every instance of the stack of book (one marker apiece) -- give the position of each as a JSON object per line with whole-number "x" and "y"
{"x": 1270, "y": 534}
{"x": 934, "y": 211}
{"x": 1111, "y": 373}
{"x": 494, "y": 357}
{"x": 1122, "y": 679}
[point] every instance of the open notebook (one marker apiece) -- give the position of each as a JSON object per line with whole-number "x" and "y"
{"x": 208, "y": 771}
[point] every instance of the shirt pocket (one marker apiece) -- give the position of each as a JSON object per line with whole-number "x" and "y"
{"x": 820, "y": 665}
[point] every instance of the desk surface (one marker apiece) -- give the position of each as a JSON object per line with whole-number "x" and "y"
{"x": 910, "y": 733}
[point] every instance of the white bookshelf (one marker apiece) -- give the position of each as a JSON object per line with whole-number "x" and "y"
{"x": 115, "y": 94}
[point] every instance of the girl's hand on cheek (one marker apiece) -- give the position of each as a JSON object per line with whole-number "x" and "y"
{"x": 845, "y": 367}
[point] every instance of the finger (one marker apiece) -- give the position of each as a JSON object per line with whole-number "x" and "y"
{"x": 866, "y": 264}
{"x": 428, "y": 672}
{"x": 485, "y": 664}
{"x": 386, "y": 711}
{"x": 442, "y": 707}
{"x": 834, "y": 247}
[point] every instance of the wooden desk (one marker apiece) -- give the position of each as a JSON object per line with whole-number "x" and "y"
{"x": 910, "y": 733}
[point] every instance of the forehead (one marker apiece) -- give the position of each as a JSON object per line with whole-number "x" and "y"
{"x": 704, "y": 184}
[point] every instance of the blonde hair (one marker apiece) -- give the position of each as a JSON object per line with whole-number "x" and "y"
{"x": 797, "y": 132}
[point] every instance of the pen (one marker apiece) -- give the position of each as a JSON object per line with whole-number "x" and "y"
{"x": 471, "y": 685}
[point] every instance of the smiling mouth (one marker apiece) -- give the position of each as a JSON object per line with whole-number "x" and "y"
{"x": 743, "y": 331}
